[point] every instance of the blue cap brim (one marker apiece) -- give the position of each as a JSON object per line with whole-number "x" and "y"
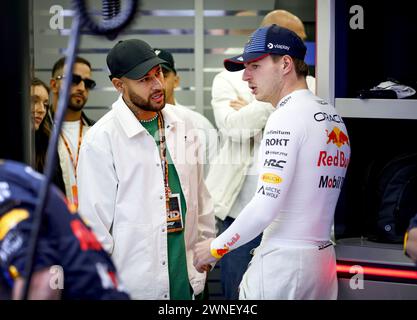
{"x": 237, "y": 63}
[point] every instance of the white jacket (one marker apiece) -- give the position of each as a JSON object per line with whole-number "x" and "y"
{"x": 238, "y": 129}
{"x": 121, "y": 194}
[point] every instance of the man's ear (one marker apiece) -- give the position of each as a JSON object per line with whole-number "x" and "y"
{"x": 53, "y": 83}
{"x": 118, "y": 84}
{"x": 287, "y": 63}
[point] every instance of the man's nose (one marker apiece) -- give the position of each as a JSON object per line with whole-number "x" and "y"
{"x": 81, "y": 85}
{"x": 246, "y": 75}
{"x": 157, "y": 82}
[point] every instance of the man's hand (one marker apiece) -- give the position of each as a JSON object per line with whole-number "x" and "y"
{"x": 412, "y": 244}
{"x": 202, "y": 256}
{"x": 238, "y": 104}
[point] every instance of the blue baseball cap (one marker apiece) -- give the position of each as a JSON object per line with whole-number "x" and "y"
{"x": 268, "y": 40}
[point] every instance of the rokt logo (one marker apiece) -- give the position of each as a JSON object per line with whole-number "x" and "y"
{"x": 337, "y": 137}
{"x": 276, "y": 142}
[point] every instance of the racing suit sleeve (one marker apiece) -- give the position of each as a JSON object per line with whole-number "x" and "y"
{"x": 231, "y": 122}
{"x": 277, "y": 163}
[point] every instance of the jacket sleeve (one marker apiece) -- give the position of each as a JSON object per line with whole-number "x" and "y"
{"x": 97, "y": 187}
{"x": 206, "y": 221}
{"x": 241, "y": 124}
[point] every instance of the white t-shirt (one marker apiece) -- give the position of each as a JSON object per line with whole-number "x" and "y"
{"x": 302, "y": 164}
{"x": 71, "y": 133}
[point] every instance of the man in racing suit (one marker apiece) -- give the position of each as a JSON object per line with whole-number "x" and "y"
{"x": 303, "y": 159}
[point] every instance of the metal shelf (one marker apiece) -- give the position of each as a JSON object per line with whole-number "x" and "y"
{"x": 377, "y": 108}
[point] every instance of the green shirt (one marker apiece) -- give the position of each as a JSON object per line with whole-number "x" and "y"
{"x": 179, "y": 285}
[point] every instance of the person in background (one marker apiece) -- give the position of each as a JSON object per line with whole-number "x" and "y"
{"x": 232, "y": 179}
{"x": 300, "y": 177}
{"x": 142, "y": 183}
{"x": 75, "y": 124}
{"x": 69, "y": 261}
{"x": 39, "y": 95}
{"x": 40, "y": 107}
{"x": 206, "y": 131}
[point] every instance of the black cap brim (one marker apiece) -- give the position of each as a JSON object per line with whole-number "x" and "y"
{"x": 143, "y": 68}
{"x": 237, "y": 63}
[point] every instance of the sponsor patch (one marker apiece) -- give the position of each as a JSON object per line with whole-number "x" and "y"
{"x": 278, "y": 153}
{"x": 271, "y": 192}
{"x": 284, "y": 102}
{"x": 11, "y": 219}
{"x": 322, "y": 116}
{"x": 11, "y": 244}
{"x": 86, "y": 238}
{"x": 337, "y": 160}
{"x": 337, "y": 137}
{"x": 234, "y": 239}
{"x": 276, "y": 142}
{"x": 274, "y": 163}
{"x": 271, "y": 178}
{"x": 279, "y": 132}
{"x": 218, "y": 253}
{"x": 331, "y": 182}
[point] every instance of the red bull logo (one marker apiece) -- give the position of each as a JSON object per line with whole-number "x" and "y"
{"x": 337, "y": 137}
{"x": 218, "y": 253}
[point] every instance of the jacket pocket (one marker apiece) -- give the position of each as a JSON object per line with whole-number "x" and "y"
{"x": 131, "y": 254}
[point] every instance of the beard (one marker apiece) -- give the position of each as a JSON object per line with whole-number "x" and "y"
{"x": 147, "y": 104}
{"x": 76, "y": 103}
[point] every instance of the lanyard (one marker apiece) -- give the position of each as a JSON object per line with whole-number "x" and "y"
{"x": 80, "y": 137}
{"x": 163, "y": 155}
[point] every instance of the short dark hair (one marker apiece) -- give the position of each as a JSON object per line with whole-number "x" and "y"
{"x": 38, "y": 82}
{"x": 61, "y": 62}
{"x": 301, "y": 68}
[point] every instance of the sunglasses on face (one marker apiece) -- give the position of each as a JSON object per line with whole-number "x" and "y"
{"x": 76, "y": 79}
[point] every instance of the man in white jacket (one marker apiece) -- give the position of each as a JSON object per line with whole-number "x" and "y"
{"x": 141, "y": 181}
{"x": 232, "y": 179}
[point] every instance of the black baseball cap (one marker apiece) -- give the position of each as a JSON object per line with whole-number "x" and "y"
{"x": 169, "y": 63}
{"x": 268, "y": 40}
{"x": 132, "y": 59}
